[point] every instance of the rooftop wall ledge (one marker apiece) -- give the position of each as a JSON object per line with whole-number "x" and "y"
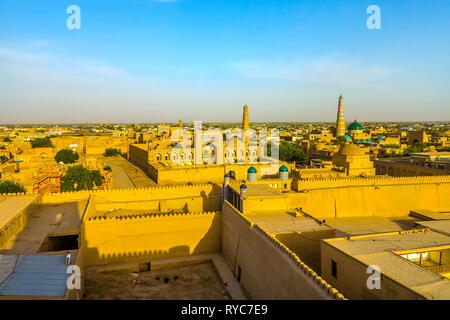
{"x": 333, "y": 291}
{"x": 339, "y": 296}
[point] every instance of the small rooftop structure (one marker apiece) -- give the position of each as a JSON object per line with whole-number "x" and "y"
{"x": 414, "y": 264}
{"x": 33, "y": 276}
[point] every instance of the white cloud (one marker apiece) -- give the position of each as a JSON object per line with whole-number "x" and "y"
{"x": 332, "y": 69}
{"x": 38, "y": 87}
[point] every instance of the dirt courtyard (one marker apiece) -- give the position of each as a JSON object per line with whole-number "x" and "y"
{"x": 199, "y": 281}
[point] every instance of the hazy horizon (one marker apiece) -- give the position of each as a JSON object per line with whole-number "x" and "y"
{"x": 144, "y": 61}
{"x": 237, "y": 123}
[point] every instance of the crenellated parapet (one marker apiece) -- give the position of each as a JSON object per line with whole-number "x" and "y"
{"x": 133, "y": 193}
{"x": 319, "y": 183}
{"x": 239, "y": 214}
{"x": 333, "y": 292}
{"x": 149, "y": 216}
{"x": 18, "y": 194}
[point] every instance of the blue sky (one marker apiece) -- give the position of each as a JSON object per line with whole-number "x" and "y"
{"x": 154, "y": 61}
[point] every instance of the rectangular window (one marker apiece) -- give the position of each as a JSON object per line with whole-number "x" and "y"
{"x": 143, "y": 267}
{"x": 334, "y": 268}
{"x": 239, "y": 274}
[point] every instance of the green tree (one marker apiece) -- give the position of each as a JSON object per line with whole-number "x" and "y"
{"x": 417, "y": 147}
{"x": 109, "y": 152}
{"x": 7, "y": 139}
{"x": 107, "y": 168}
{"x": 41, "y": 143}
{"x": 79, "y": 178}
{"x": 340, "y": 141}
{"x": 289, "y": 152}
{"x": 96, "y": 177}
{"x": 66, "y": 156}
{"x": 3, "y": 158}
{"x": 11, "y": 187}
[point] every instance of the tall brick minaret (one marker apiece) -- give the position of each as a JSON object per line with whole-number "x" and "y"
{"x": 245, "y": 123}
{"x": 340, "y": 122}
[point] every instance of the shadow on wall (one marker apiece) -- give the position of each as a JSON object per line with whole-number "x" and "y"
{"x": 307, "y": 245}
{"x": 36, "y": 222}
{"x": 209, "y": 242}
{"x": 213, "y": 235}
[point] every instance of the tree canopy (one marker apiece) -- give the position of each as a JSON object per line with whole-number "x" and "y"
{"x": 11, "y": 187}
{"x": 417, "y": 147}
{"x": 289, "y": 152}
{"x": 109, "y": 152}
{"x": 66, "y": 156}
{"x": 41, "y": 143}
{"x": 340, "y": 141}
{"x": 79, "y": 178}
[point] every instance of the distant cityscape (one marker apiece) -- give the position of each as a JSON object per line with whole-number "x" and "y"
{"x": 131, "y": 167}
{"x": 187, "y": 194}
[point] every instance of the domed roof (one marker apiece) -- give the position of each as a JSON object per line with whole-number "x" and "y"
{"x": 352, "y": 150}
{"x": 355, "y": 126}
{"x": 380, "y": 139}
{"x": 251, "y": 170}
{"x": 283, "y": 168}
{"x": 348, "y": 137}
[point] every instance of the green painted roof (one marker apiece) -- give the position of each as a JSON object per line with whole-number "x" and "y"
{"x": 355, "y": 126}
{"x": 283, "y": 168}
{"x": 251, "y": 170}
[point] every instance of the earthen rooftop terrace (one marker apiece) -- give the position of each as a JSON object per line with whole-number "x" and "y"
{"x": 383, "y": 250}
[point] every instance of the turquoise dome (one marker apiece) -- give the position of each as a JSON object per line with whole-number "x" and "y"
{"x": 347, "y": 137}
{"x": 355, "y": 126}
{"x": 380, "y": 139}
{"x": 283, "y": 168}
{"x": 251, "y": 170}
